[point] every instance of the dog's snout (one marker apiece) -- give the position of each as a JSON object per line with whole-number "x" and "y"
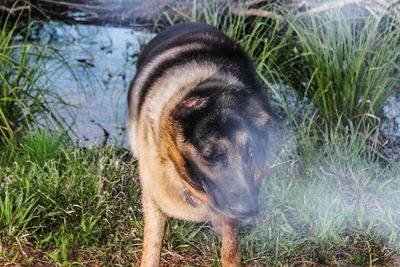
{"x": 245, "y": 207}
{"x": 236, "y": 200}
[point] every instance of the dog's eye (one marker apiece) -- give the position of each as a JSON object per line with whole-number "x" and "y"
{"x": 212, "y": 154}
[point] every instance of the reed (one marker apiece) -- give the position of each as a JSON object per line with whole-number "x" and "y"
{"x": 349, "y": 68}
{"x": 25, "y": 81}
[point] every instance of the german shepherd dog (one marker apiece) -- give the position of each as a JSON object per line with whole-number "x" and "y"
{"x": 198, "y": 124}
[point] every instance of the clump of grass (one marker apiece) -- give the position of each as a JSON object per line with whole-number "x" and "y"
{"x": 350, "y": 67}
{"x": 58, "y": 197}
{"x": 25, "y": 93}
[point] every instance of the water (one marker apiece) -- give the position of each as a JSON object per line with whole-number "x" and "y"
{"x": 392, "y": 113}
{"x": 100, "y": 66}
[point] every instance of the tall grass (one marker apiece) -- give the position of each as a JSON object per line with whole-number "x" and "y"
{"x": 349, "y": 67}
{"x": 25, "y": 95}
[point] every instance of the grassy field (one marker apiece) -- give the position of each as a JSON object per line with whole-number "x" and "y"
{"x": 61, "y": 205}
{"x": 331, "y": 198}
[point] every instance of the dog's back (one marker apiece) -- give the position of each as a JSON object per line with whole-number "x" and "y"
{"x": 173, "y": 37}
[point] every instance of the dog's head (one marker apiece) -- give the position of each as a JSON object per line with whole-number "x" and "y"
{"x": 219, "y": 147}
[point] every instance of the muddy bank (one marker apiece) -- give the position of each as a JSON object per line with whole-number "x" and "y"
{"x": 118, "y": 13}
{"x": 128, "y": 13}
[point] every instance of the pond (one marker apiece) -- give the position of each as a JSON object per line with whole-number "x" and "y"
{"x": 99, "y": 66}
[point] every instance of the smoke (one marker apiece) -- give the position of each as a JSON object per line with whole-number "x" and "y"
{"x": 332, "y": 195}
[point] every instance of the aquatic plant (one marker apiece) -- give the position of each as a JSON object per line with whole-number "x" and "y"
{"x": 25, "y": 92}
{"x": 349, "y": 67}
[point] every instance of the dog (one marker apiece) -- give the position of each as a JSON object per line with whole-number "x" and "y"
{"x": 198, "y": 124}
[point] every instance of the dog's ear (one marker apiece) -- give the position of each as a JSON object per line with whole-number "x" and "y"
{"x": 188, "y": 105}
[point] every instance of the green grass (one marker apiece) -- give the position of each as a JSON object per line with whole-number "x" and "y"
{"x": 350, "y": 67}
{"x": 26, "y": 94}
{"x": 61, "y": 197}
{"x": 333, "y": 202}
{"x": 82, "y": 206}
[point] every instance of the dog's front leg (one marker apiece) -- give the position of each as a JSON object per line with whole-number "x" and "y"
{"x": 230, "y": 254}
{"x": 154, "y": 223}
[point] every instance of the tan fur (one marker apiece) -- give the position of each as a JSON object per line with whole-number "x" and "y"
{"x": 230, "y": 253}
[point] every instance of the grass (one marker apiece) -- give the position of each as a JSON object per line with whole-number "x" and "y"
{"x": 82, "y": 206}
{"x": 61, "y": 198}
{"x": 350, "y": 67}
{"x": 26, "y": 94}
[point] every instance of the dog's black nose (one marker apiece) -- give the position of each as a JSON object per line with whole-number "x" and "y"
{"x": 245, "y": 208}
